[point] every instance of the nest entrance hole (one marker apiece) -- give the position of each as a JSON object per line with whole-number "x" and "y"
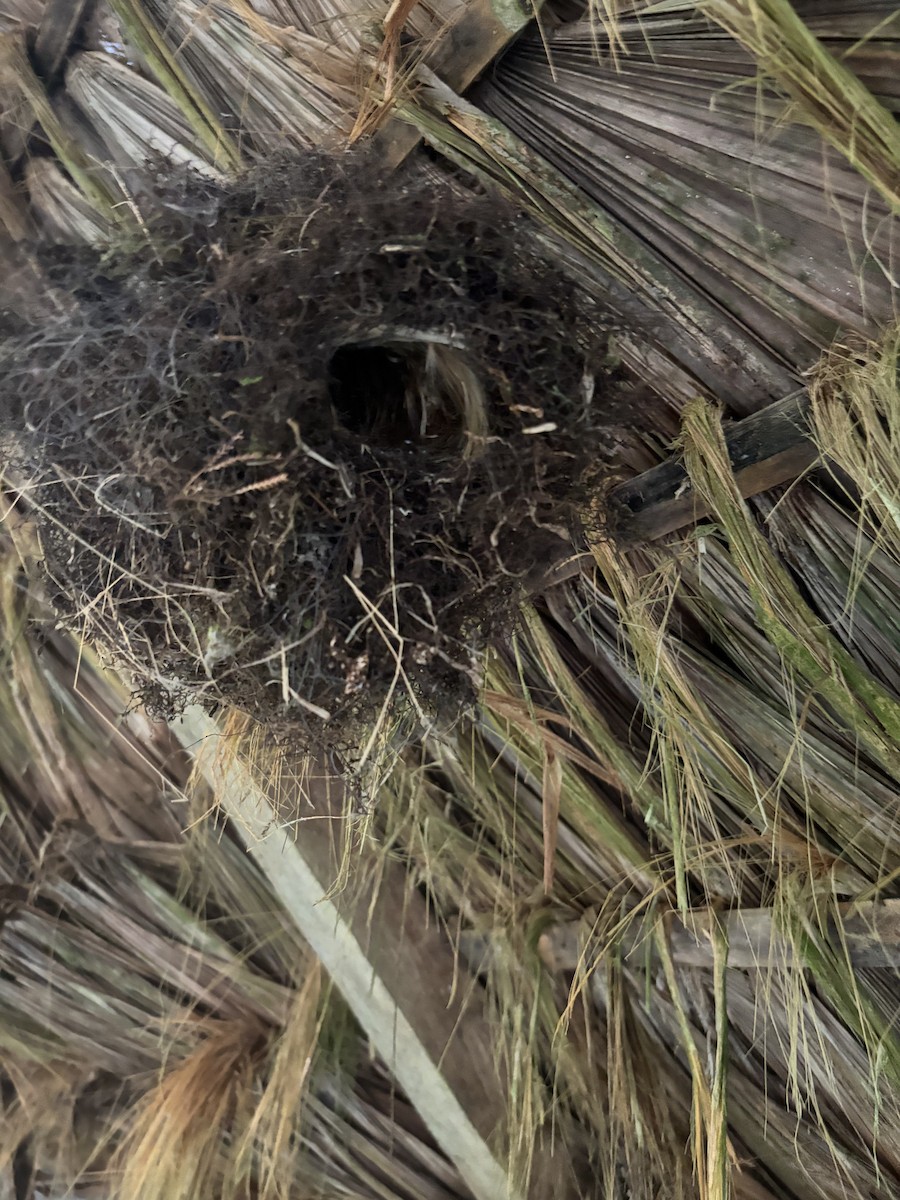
{"x": 400, "y": 393}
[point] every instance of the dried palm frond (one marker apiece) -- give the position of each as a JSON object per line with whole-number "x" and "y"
{"x": 816, "y": 656}
{"x": 455, "y": 861}
{"x": 710, "y": 722}
{"x": 655, "y": 300}
{"x": 826, "y": 93}
{"x": 816, "y": 816}
{"x": 137, "y": 120}
{"x": 62, "y": 211}
{"x": 856, "y": 578}
{"x": 19, "y": 80}
{"x": 328, "y": 20}
{"x": 139, "y": 26}
{"x": 294, "y": 87}
{"x": 668, "y": 129}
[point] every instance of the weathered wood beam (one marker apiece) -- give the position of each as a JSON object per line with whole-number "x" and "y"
{"x": 463, "y": 51}
{"x": 474, "y": 41}
{"x": 868, "y": 934}
{"x": 771, "y": 447}
{"x": 393, "y": 966}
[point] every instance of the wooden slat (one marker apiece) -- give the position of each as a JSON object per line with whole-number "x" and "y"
{"x": 393, "y": 966}
{"x": 474, "y": 41}
{"x": 769, "y": 448}
{"x": 468, "y": 46}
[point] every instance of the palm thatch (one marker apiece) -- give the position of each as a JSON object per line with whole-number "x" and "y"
{"x": 627, "y": 928}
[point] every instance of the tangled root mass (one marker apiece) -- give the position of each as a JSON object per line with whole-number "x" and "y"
{"x": 302, "y": 450}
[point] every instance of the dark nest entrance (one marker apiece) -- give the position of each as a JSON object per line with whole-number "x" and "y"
{"x": 415, "y": 392}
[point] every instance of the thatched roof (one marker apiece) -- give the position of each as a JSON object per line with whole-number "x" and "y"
{"x": 628, "y": 928}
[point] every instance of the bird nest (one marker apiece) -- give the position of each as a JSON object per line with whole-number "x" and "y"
{"x": 303, "y": 445}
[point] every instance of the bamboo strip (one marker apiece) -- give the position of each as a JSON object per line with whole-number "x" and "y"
{"x": 421, "y": 1032}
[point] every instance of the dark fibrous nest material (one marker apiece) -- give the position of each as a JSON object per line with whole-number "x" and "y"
{"x": 304, "y": 444}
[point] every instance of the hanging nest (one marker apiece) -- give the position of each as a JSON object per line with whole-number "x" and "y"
{"x": 304, "y": 446}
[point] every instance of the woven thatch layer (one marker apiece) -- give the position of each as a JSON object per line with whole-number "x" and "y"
{"x": 712, "y": 722}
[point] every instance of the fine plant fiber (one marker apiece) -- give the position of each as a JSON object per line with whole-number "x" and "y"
{"x": 807, "y": 647}
{"x": 684, "y": 730}
{"x": 800, "y": 796}
{"x": 181, "y": 1131}
{"x": 455, "y": 863}
{"x": 706, "y": 781}
{"x": 810, "y": 774}
{"x": 306, "y": 448}
{"x": 855, "y": 399}
{"x": 482, "y": 866}
{"x": 825, "y": 92}
{"x": 812, "y": 658}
